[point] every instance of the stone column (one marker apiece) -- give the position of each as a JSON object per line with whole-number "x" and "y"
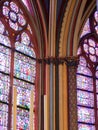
{"x": 52, "y": 44}
{"x": 72, "y": 92}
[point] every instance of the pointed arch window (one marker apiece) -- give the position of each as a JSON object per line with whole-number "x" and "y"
{"x": 17, "y": 65}
{"x": 87, "y": 75}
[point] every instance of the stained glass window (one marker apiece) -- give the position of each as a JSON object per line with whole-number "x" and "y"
{"x": 22, "y": 119}
{"x": 87, "y": 75}
{"x": 17, "y": 65}
{"x": 3, "y": 116}
{"x": 24, "y": 67}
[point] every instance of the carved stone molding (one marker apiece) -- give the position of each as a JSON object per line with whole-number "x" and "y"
{"x": 70, "y": 61}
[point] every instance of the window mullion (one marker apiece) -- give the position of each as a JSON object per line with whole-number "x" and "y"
{"x": 11, "y": 91}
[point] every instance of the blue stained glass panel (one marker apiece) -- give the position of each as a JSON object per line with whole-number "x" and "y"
{"x": 21, "y": 20}
{"x": 5, "y": 11}
{"x": 5, "y": 59}
{"x": 82, "y": 61}
{"x": 4, "y": 40}
{"x": 97, "y": 85}
{"x": 13, "y": 25}
{"x": 3, "y": 116}
{"x": 84, "y": 70}
{"x": 92, "y": 50}
{"x": 22, "y": 119}
{"x": 14, "y": 7}
{"x": 92, "y": 43}
{"x": 85, "y": 127}
{"x": 96, "y": 74}
{"x": 24, "y": 45}
{"x": 86, "y": 48}
{"x": 93, "y": 58}
{"x": 24, "y": 67}
{"x": 4, "y": 87}
{"x": 79, "y": 51}
{"x": 96, "y": 50}
{"x": 86, "y": 115}
{"x": 86, "y": 29}
{"x": 2, "y": 28}
{"x": 25, "y": 49}
{"x": 97, "y": 100}
{"x": 85, "y": 83}
{"x": 85, "y": 98}
{"x": 23, "y": 93}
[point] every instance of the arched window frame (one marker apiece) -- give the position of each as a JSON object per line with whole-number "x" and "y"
{"x": 13, "y": 34}
{"x": 89, "y": 52}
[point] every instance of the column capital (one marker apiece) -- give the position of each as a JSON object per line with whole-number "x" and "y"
{"x": 72, "y": 60}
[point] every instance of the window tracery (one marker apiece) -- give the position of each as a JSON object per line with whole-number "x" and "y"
{"x": 17, "y": 64}
{"x": 87, "y": 79}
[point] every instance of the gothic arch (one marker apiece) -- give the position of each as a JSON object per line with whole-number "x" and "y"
{"x": 35, "y": 35}
{"x": 73, "y": 21}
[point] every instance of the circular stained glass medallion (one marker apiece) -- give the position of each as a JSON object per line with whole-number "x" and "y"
{"x": 14, "y": 7}
{"x": 13, "y": 16}
{"x": 92, "y": 50}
